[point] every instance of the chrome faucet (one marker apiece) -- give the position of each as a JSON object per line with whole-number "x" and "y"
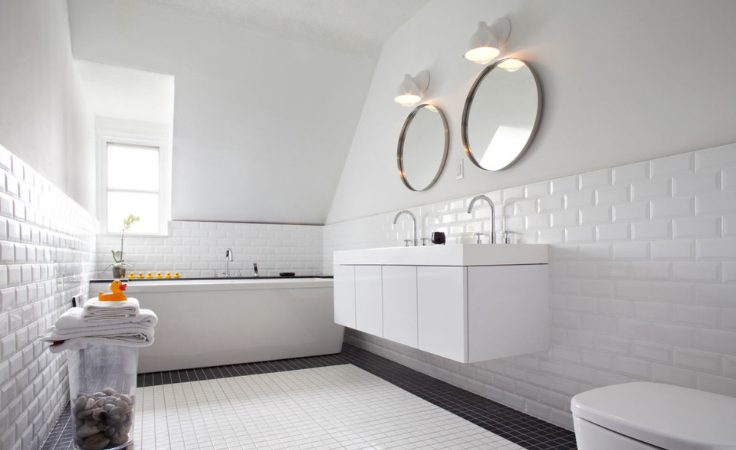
{"x": 493, "y": 215}
{"x": 413, "y": 223}
{"x": 228, "y": 260}
{"x": 504, "y": 227}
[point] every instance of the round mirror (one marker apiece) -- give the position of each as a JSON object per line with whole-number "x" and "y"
{"x": 423, "y": 146}
{"x": 501, "y": 114}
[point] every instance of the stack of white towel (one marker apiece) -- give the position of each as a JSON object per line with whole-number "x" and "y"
{"x": 118, "y": 323}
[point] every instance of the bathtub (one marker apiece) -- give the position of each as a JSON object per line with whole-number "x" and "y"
{"x": 212, "y": 322}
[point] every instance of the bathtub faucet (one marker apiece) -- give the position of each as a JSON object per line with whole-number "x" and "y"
{"x": 228, "y": 260}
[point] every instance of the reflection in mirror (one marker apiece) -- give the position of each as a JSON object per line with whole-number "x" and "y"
{"x": 501, "y": 114}
{"x": 423, "y": 146}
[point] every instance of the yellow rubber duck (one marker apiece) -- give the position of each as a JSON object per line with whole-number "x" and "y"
{"x": 117, "y": 287}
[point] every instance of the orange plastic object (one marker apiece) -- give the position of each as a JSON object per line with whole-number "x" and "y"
{"x": 117, "y": 287}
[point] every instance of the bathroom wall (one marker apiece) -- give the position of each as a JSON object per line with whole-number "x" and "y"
{"x": 621, "y": 84}
{"x": 46, "y": 256}
{"x": 46, "y": 191}
{"x": 642, "y": 279}
{"x": 197, "y": 249}
{"x": 262, "y": 123}
{"x": 43, "y": 115}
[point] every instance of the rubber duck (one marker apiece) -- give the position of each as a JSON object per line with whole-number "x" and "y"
{"x": 158, "y": 275}
{"x": 177, "y": 275}
{"x": 117, "y": 287}
{"x": 149, "y": 275}
{"x": 132, "y": 276}
{"x": 168, "y": 275}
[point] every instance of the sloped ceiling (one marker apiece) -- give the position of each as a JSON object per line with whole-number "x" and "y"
{"x": 264, "y": 115}
{"x": 356, "y": 26}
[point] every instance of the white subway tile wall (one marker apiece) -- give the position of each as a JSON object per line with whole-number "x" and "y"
{"x": 642, "y": 285}
{"x": 46, "y": 257}
{"x": 197, "y": 249}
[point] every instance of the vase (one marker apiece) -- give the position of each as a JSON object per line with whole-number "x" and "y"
{"x": 118, "y": 271}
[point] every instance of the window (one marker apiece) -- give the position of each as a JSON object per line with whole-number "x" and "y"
{"x": 133, "y": 187}
{"x": 132, "y": 178}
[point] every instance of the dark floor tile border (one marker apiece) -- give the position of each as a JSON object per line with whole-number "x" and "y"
{"x": 519, "y": 428}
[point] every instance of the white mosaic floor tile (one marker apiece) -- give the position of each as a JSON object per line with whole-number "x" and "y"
{"x": 335, "y": 407}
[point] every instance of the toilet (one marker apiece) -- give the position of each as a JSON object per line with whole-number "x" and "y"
{"x": 646, "y": 416}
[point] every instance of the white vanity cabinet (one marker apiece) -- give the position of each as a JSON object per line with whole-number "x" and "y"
{"x": 471, "y": 309}
{"x": 442, "y": 311}
{"x": 344, "y": 294}
{"x": 368, "y": 300}
{"x": 400, "y": 304}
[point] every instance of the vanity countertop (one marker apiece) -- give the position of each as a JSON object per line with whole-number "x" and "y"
{"x": 447, "y": 255}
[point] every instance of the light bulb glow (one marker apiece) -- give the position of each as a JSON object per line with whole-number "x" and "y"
{"x": 481, "y": 55}
{"x": 407, "y": 99}
{"x": 511, "y": 64}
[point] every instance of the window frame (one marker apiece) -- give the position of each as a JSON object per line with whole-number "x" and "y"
{"x": 148, "y": 134}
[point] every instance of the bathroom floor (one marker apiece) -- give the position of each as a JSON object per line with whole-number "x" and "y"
{"x": 351, "y": 400}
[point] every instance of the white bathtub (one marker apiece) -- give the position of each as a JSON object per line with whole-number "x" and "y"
{"x": 214, "y": 322}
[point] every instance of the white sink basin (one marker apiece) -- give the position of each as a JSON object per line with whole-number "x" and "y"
{"x": 446, "y": 255}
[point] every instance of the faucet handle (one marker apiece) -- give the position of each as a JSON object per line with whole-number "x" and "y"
{"x": 510, "y": 237}
{"x": 407, "y": 242}
{"x": 477, "y": 237}
{"x": 424, "y": 241}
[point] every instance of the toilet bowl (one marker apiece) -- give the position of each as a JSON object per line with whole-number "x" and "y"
{"x": 646, "y": 416}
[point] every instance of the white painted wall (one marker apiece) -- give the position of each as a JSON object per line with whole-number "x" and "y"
{"x": 43, "y": 116}
{"x": 261, "y": 124}
{"x": 623, "y": 81}
{"x": 126, "y": 94}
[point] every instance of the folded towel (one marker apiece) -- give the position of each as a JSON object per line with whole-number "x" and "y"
{"x": 73, "y": 320}
{"x": 98, "y": 310}
{"x": 79, "y": 343}
{"x": 127, "y": 332}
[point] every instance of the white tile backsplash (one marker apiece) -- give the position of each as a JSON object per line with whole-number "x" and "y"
{"x": 46, "y": 257}
{"x": 197, "y": 249}
{"x": 643, "y": 279}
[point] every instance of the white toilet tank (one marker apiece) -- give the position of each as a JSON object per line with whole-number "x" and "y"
{"x": 647, "y": 416}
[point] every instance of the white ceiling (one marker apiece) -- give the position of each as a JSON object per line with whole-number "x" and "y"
{"x": 358, "y": 26}
{"x": 122, "y": 93}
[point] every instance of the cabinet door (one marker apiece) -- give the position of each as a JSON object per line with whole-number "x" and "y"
{"x": 442, "y": 311}
{"x": 400, "y": 304}
{"x": 344, "y": 288}
{"x": 368, "y": 300}
{"x": 508, "y": 311}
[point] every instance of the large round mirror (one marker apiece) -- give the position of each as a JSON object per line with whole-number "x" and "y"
{"x": 501, "y": 114}
{"x": 423, "y": 145}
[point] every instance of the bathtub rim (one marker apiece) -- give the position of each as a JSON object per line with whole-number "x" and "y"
{"x": 218, "y": 284}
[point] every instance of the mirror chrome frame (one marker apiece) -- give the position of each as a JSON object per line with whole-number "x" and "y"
{"x": 402, "y": 137}
{"x": 469, "y": 102}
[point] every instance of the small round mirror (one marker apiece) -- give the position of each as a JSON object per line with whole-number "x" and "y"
{"x": 501, "y": 114}
{"x": 423, "y": 146}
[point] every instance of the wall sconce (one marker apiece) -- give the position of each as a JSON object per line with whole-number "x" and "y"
{"x": 511, "y": 64}
{"x": 412, "y": 89}
{"x": 486, "y": 42}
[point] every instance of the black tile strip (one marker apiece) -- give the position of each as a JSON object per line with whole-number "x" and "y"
{"x": 519, "y": 428}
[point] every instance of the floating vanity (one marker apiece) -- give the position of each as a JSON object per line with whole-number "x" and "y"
{"x": 468, "y": 303}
